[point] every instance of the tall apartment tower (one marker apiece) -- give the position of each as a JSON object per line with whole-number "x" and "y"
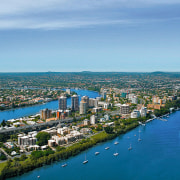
{"x": 83, "y": 107}
{"x": 63, "y": 103}
{"x": 75, "y": 103}
{"x": 85, "y": 99}
{"x": 45, "y": 114}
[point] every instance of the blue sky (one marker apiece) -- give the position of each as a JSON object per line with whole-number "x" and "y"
{"x": 79, "y": 35}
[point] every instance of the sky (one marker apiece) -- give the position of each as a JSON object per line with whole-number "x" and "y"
{"x": 89, "y": 35}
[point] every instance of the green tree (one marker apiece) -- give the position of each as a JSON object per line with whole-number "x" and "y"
{"x": 23, "y": 157}
{"x": 3, "y": 123}
{"x": 108, "y": 129}
{"x": 42, "y": 138}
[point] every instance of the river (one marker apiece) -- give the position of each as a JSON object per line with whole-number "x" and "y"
{"x": 31, "y": 110}
{"x": 156, "y": 157}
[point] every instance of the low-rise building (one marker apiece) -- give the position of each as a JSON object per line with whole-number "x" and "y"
{"x": 51, "y": 143}
{"x": 86, "y": 130}
{"x": 9, "y": 145}
{"x": 124, "y": 109}
{"x": 86, "y": 122}
{"x": 135, "y": 114}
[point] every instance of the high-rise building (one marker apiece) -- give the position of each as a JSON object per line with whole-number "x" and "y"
{"x": 104, "y": 95}
{"x": 85, "y": 99}
{"x": 134, "y": 100}
{"x": 75, "y": 103}
{"x": 143, "y": 111}
{"x": 93, "y": 102}
{"x": 124, "y": 109}
{"x": 68, "y": 91}
{"x": 63, "y": 103}
{"x": 45, "y": 114}
{"x": 83, "y": 107}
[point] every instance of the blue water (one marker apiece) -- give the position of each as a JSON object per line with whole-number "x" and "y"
{"x": 156, "y": 157}
{"x": 27, "y": 111}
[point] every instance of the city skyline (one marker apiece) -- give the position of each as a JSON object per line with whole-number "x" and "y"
{"x": 74, "y": 36}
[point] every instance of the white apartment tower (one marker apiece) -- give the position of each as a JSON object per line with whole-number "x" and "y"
{"x": 75, "y": 103}
{"x": 85, "y": 99}
{"x": 63, "y": 103}
{"x": 83, "y": 107}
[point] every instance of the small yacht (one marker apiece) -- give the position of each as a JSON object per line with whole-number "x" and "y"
{"x": 107, "y": 148}
{"x": 116, "y": 143}
{"x": 116, "y": 154}
{"x": 38, "y": 176}
{"x": 130, "y": 147}
{"x": 86, "y": 161}
{"x": 96, "y": 153}
{"x": 64, "y": 165}
{"x": 139, "y": 139}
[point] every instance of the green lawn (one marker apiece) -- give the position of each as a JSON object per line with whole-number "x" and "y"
{"x": 2, "y": 166}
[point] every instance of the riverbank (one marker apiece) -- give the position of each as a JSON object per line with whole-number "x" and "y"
{"x": 12, "y": 169}
{"x": 26, "y": 105}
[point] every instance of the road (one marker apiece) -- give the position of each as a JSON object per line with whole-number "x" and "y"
{"x": 7, "y": 155}
{"x": 50, "y": 123}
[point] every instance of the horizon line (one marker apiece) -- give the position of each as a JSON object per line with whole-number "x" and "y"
{"x": 90, "y": 72}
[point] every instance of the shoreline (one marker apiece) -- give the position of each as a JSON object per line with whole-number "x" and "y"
{"x": 31, "y": 105}
{"x": 70, "y": 151}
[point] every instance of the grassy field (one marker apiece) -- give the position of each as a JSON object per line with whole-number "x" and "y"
{"x": 2, "y": 166}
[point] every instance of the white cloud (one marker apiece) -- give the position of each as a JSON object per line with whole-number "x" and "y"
{"x": 51, "y": 25}
{"x": 28, "y": 6}
{"x": 45, "y": 14}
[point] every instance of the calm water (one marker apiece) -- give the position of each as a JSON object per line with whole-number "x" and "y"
{"x": 156, "y": 157}
{"x": 26, "y": 111}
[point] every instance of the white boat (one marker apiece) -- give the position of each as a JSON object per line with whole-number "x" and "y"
{"x": 116, "y": 143}
{"x": 139, "y": 139}
{"x": 107, "y": 148}
{"x": 64, "y": 165}
{"x": 130, "y": 147}
{"x": 116, "y": 154}
{"x": 38, "y": 176}
{"x": 85, "y": 161}
{"x": 96, "y": 153}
